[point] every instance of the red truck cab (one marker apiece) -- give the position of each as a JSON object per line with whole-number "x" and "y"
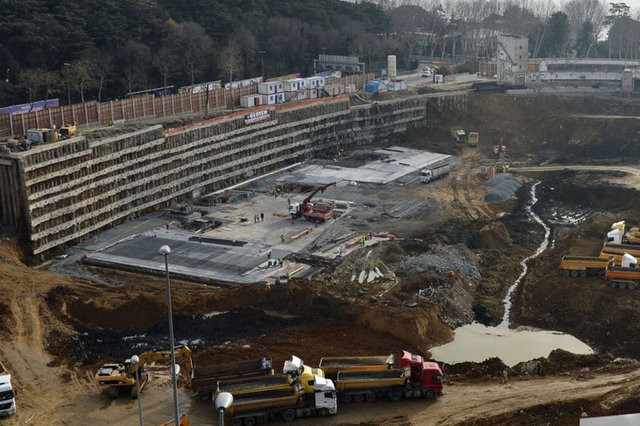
{"x": 426, "y": 373}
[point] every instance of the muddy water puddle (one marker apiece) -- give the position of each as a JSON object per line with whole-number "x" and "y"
{"x": 476, "y": 342}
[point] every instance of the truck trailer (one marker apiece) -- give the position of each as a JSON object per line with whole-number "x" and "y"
{"x": 290, "y": 403}
{"x": 434, "y": 172}
{"x": 627, "y": 275}
{"x": 294, "y": 371}
{"x": 618, "y": 250}
{"x": 582, "y": 266}
{"x": 204, "y": 380}
{"x": 7, "y": 393}
{"x": 331, "y": 365}
{"x": 394, "y": 384}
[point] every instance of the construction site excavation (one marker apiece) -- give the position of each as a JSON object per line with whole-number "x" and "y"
{"x": 325, "y": 256}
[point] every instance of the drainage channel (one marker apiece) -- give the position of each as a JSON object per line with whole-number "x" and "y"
{"x": 476, "y": 342}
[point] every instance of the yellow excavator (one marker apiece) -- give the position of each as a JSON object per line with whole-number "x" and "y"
{"x": 113, "y": 378}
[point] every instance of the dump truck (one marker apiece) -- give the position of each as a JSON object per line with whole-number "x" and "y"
{"x": 473, "y": 138}
{"x": 618, "y": 250}
{"x": 410, "y": 381}
{"x": 294, "y": 371}
{"x": 617, "y": 234}
{"x": 294, "y": 402}
{"x": 204, "y": 380}
{"x": 331, "y": 365}
{"x": 583, "y": 266}
{"x": 458, "y": 135}
{"x": 7, "y": 393}
{"x": 627, "y": 275}
{"x": 437, "y": 171}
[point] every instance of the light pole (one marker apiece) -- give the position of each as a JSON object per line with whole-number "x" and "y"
{"x": 135, "y": 360}
{"x": 223, "y": 402}
{"x": 262, "y": 52}
{"x": 165, "y": 250}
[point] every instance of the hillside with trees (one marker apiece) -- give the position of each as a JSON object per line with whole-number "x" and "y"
{"x": 103, "y": 49}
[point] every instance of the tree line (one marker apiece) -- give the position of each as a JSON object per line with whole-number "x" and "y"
{"x": 103, "y": 49}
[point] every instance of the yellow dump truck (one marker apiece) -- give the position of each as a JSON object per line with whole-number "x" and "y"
{"x": 331, "y": 365}
{"x": 583, "y": 266}
{"x": 263, "y": 404}
{"x": 248, "y": 385}
{"x": 473, "y": 138}
{"x": 618, "y": 250}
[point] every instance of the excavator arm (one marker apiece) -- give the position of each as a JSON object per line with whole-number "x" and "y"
{"x": 181, "y": 352}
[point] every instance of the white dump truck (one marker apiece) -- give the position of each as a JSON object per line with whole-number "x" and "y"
{"x": 434, "y": 172}
{"x": 7, "y": 394}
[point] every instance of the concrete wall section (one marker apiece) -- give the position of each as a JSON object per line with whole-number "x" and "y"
{"x": 76, "y": 187}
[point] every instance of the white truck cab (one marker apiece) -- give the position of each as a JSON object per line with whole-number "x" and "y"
{"x": 7, "y": 394}
{"x": 325, "y": 395}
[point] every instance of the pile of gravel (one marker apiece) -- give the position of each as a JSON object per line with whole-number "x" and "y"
{"x": 456, "y": 258}
{"x": 504, "y": 188}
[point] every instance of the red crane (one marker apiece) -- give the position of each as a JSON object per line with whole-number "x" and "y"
{"x": 307, "y": 210}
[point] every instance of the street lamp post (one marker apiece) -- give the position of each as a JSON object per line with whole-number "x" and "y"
{"x": 262, "y": 52}
{"x": 165, "y": 250}
{"x": 223, "y": 402}
{"x": 135, "y": 360}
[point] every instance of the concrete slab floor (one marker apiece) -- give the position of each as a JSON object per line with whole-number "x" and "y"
{"x": 255, "y": 231}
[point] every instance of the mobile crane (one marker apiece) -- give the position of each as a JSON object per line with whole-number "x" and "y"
{"x": 114, "y": 378}
{"x": 307, "y": 210}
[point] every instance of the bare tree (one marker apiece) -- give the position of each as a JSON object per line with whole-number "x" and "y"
{"x": 135, "y": 60}
{"x": 190, "y": 43}
{"x": 586, "y": 11}
{"x": 99, "y": 67}
{"x": 81, "y": 78}
{"x": 229, "y": 60}
{"x": 37, "y": 83}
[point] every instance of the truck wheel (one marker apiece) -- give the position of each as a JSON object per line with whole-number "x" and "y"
{"x": 601, "y": 274}
{"x": 262, "y": 419}
{"x": 395, "y": 395}
{"x": 622, "y": 285}
{"x": 346, "y": 398}
{"x": 631, "y": 286}
{"x": 613, "y": 284}
{"x": 236, "y": 422}
{"x": 249, "y": 421}
{"x": 370, "y": 397}
{"x": 358, "y": 397}
{"x": 565, "y": 273}
{"x": 574, "y": 273}
{"x": 430, "y": 394}
{"x": 288, "y": 415}
{"x": 323, "y": 412}
{"x": 583, "y": 274}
